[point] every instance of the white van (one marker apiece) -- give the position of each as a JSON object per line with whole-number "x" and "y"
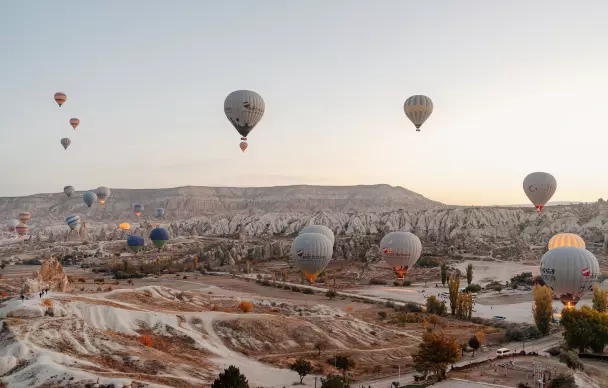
{"x": 503, "y": 352}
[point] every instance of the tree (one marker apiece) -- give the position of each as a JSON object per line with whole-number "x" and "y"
{"x": 600, "y": 299}
{"x": 434, "y": 306}
{"x": 435, "y": 353}
{"x": 470, "y": 273}
{"x": 320, "y": 345}
{"x": 474, "y": 344}
{"x": 464, "y": 305}
{"x": 231, "y": 378}
{"x": 542, "y": 308}
{"x": 302, "y": 367}
{"x": 444, "y": 273}
{"x": 571, "y": 360}
{"x": 331, "y": 294}
{"x": 563, "y": 381}
{"x": 433, "y": 319}
{"x": 585, "y": 328}
{"x": 453, "y": 286}
{"x": 334, "y": 381}
{"x": 344, "y": 363}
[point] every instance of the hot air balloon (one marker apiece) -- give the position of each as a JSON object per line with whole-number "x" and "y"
{"x": 24, "y": 217}
{"x": 135, "y": 243}
{"x": 566, "y": 240}
{"x": 311, "y": 253}
{"x": 60, "y": 98}
{"x": 74, "y": 122}
{"x": 65, "y": 142}
{"x": 159, "y": 237}
{"x": 418, "y": 108}
{"x": 569, "y": 272}
{"x": 12, "y": 224}
{"x": 158, "y": 213}
{"x": 539, "y": 187}
{"x": 73, "y": 222}
{"x": 68, "y": 190}
{"x": 400, "y": 250}
{"x": 89, "y": 197}
{"x": 103, "y": 193}
{"x": 138, "y": 209}
{"x": 244, "y": 110}
{"x": 21, "y": 230}
{"x": 321, "y": 229}
{"x": 243, "y": 146}
{"x": 124, "y": 226}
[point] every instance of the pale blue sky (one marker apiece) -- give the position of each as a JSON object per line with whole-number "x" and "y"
{"x": 518, "y": 86}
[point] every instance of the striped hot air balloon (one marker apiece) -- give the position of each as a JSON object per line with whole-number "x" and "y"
{"x": 65, "y": 142}
{"x": 60, "y": 98}
{"x": 74, "y": 222}
{"x": 138, "y": 209}
{"x": 74, "y": 122}
{"x": 244, "y": 109}
{"x": 135, "y": 243}
{"x": 24, "y": 217}
{"x": 21, "y": 230}
{"x": 159, "y": 237}
{"x": 418, "y": 109}
{"x": 566, "y": 240}
{"x": 243, "y": 146}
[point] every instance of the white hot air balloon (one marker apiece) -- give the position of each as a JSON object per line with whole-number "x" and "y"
{"x": 539, "y": 187}
{"x": 311, "y": 253}
{"x": 401, "y": 250}
{"x": 321, "y": 229}
{"x": 244, "y": 109}
{"x": 569, "y": 272}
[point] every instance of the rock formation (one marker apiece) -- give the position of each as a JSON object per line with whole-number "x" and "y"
{"x": 50, "y": 276}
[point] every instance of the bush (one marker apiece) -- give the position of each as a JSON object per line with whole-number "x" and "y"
{"x": 407, "y": 283}
{"x": 473, "y": 288}
{"x": 382, "y": 314}
{"x": 308, "y": 291}
{"x": 331, "y": 294}
{"x": 428, "y": 262}
{"x": 295, "y": 289}
{"x": 246, "y": 306}
{"x": 412, "y": 307}
{"x": 434, "y": 306}
{"x": 376, "y": 281}
{"x": 408, "y": 318}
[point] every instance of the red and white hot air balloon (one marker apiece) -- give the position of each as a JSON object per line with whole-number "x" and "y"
{"x": 243, "y": 146}
{"x": 60, "y": 98}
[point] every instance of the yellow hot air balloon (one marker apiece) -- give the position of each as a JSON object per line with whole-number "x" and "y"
{"x": 124, "y": 226}
{"x": 566, "y": 240}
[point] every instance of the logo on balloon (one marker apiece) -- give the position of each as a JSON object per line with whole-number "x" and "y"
{"x": 300, "y": 252}
{"x": 586, "y": 272}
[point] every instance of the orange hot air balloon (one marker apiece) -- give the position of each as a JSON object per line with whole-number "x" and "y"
{"x": 243, "y": 146}
{"x": 74, "y": 122}
{"x": 60, "y": 98}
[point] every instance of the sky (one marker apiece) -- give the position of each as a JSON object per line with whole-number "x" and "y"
{"x": 517, "y": 87}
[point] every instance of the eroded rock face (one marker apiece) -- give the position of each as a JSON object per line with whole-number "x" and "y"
{"x": 50, "y": 276}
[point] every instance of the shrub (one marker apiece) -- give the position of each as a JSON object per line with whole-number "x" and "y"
{"x": 376, "y": 281}
{"x": 382, "y": 314}
{"x": 408, "y": 318}
{"x": 473, "y": 288}
{"x": 412, "y": 307}
{"x": 434, "y": 306}
{"x": 246, "y": 306}
{"x": 407, "y": 283}
{"x": 81, "y": 280}
{"x": 146, "y": 340}
{"x": 295, "y": 289}
{"x": 428, "y": 262}
{"x": 308, "y": 291}
{"x": 331, "y": 294}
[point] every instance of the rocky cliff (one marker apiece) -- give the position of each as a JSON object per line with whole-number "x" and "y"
{"x": 188, "y": 202}
{"x": 50, "y": 276}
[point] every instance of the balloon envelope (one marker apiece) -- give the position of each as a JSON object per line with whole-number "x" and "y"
{"x": 74, "y": 122}
{"x": 321, "y": 229}
{"x": 539, "y": 188}
{"x": 60, "y": 98}
{"x": 124, "y": 226}
{"x": 24, "y": 217}
{"x": 136, "y": 243}
{"x": 159, "y": 237}
{"x": 244, "y": 109}
{"x": 418, "y": 109}
{"x": 21, "y": 230}
{"x": 89, "y": 197}
{"x": 73, "y": 222}
{"x": 311, "y": 253}
{"x": 65, "y": 142}
{"x": 103, "y": 193}
{"x": 12, "y": 224}
{"x": 400, "y": 250}
{"x": 138, "y": 209}
{"x": 569, "y": 272}
{"x": 68, "y": 190}
{"x": 158, "y": 213}
{"x": 243, "y": 146}
{"x": 566, "y": 240}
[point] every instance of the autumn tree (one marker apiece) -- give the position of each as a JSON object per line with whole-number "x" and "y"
{"x": 344, "y": 363}
{"x": 444, "y": 273}
{"x": 302, "y": 367}
{"x": 435, "y": 353}
{"x": 231, "y": 378}
{"x": 585, "y": 328}
{"x": 464, "y": 305}
{"x": 433, "y": 319}
{"x": 469, "y": 273}
{"x": 600, "y": 299}
{"x": 542, "y": 308}
{"x": 195, "y": 263}
{"x": 453, "y": 286}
